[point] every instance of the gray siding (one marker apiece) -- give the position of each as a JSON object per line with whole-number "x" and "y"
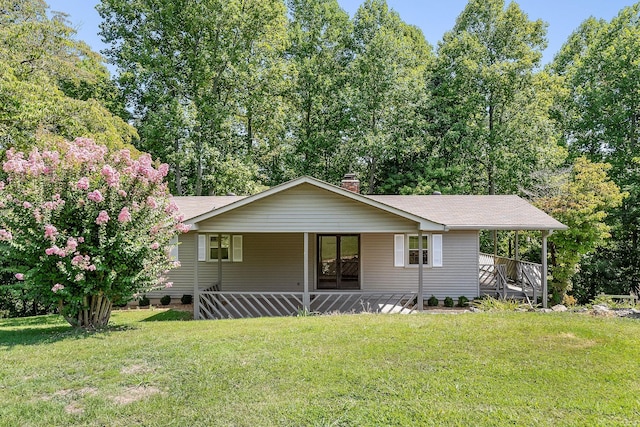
{"x": 273, "y": 262}
{"x": 307, "y": 208}
{"x": 458, "y": 275}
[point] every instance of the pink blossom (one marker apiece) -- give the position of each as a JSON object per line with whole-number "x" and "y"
{"x": 80, "y": 239}
{"x": 83, "y": 183}
{"x": 19, "y": 276}
{"x": 168, "y": 285}
{"x": 171, "y": 208}
{"x": 27, "y": 205}
{"x": 95, "y": 196}
{"x": 72, "y": 244}
{"x": 57, "y": 287}
{"x": 102, "y": 218}
{"x": 54, "y": 250}
{"x": 50, "y": 232}
{"x": 110, "y": 175}
{"x": 2, "y": 184}
{"x": 151, "y": 202}
{"x": 124, "y": 215}
{"x": 37, "y": 215}
{"x": 79, "y": 277}
{"x": 155, "y": 245}
{"x": 78, "y": 259}
{"x": 5, "y": 235}
{"x": 182, "y": 227}
{"x": 122, "y": 193}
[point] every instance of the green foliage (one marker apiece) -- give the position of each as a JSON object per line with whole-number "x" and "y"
{"x": 432, "y": 301}
{"x": 83, "y": 228}
{"x": 165, "y": 300}
{"x": 581, "y": 201}
{"x": 186, "y": 299}
{"x": 463, "y": 301}
{"x": 51, "y": 85}
{"x": 448, "y": 302}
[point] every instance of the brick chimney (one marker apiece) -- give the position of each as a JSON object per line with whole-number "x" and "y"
{"x": 351, "y": 183}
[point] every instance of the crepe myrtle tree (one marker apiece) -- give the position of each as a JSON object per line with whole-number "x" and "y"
{"x": 86, "y": 228}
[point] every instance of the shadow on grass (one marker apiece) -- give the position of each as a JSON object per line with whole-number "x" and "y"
{"x": 46, "y": 329}
{"x": 169, "y": 315}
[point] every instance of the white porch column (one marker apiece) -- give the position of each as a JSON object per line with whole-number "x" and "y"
{"x": 420, "y": 273}
{"x": 545, "y": 268}
{"x": 220, "y": 259}
{"x": 306, "y": 301}
{"x": 196, "y": 289}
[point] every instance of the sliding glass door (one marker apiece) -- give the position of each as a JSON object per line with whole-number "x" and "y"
{"x": 338, "y": 261}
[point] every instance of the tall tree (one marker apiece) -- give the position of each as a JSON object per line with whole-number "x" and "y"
{"x": 600, "y": 119}
{"x": 319, "y": 53}
{"x": 489, "y": 105}
{"x": 388, "y": 87}
{"x": 51, "y": 84}
{"x": 197, "y": 75}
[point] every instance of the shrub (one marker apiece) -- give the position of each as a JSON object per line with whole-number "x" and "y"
{"x": 448, "y": 302}
{"x": 165, "y": 300}
{"x": 463, "y": 301}
{"x": 82, "y": 228}
{"x": 569, "y": 300}
{"x": 186, "y": 299}
{"x": 488, "y": 303}
{"x": 432, "y": 301}
{"x": 144, "y": 301}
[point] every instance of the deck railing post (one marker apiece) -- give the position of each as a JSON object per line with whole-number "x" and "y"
{"x": 306, "y": 301}
{"x": 420, "y": 299}
{"x": 196, "y": 290}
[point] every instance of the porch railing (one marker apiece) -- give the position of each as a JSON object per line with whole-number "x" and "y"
{"x": 234, "y": 305}
{"x": 505, "y": 275}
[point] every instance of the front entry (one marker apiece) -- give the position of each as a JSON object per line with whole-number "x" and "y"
{"x": 338, "y": 261}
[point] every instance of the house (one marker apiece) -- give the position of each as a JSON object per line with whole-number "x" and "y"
{"x": 307, "y": 245}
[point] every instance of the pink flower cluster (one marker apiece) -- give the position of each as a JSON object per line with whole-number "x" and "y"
{"x": 124, "y": 216}
{"x": 111, "y": 176}
{"x": 102, "y": 218}
{"x": 83, "y": 183}
{"x": 54, "y": 204}
{"x": 95, "y": 196}
{"x": 50, "y": 232}
{"x": 5, "y": 235}
{"x": 83, "y": 262}
{"x": 54, "y": 250}
{"x": 57, "y": 287}
{"x": 19, "y": 276}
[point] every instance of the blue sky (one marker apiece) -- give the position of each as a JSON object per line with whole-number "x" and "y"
{"x": 434, "y": 17}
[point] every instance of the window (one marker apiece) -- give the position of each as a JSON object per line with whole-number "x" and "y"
{"x": 219, "y": 243}
{"x": 228, "y": 246}
{"x": 406, "y": 250}
{"x": 413, "y": 250}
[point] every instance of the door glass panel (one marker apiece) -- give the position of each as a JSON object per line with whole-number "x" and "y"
{"x": 349, "y": 262}
{"x": 328, "y": 265}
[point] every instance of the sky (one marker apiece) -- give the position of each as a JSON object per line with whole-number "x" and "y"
{"x": 433, "y": 17}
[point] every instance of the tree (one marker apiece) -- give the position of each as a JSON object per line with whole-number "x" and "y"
{"x": 581, "y": 200}
{"x": 50, "y": 84}
{"x": 198, "y": 77}
{"x": 489, "y": 108}
{"x": 319, "y": 52}
{"x": 388, "y": 89}
{"x": 85, "y": 228}
{"x": 599, "y": 118}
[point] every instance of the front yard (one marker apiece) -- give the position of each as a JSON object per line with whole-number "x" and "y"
{"x": 437, "y": 369}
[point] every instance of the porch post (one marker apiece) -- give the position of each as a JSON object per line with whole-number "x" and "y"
{"x": 220, "y": 259}
{"x": 516, "y": 253}
{"x": 544, "y": 272}
{"x": 196, "y": 288}
{"x": 420, "y": 273}
{"x": 306, "y": 302}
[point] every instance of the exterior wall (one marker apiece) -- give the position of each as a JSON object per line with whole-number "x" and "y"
{"x": 273, "y": 262}
{"x": 458, "y": 275}
{"x": 307, "y": 208}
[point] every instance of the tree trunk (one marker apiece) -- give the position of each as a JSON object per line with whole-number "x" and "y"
{"x": 94, "y": 314}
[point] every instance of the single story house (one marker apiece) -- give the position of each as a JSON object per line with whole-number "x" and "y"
{"x": 310, "y": 246}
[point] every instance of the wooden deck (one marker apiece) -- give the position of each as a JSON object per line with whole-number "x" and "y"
{"x": 507, "y": 278}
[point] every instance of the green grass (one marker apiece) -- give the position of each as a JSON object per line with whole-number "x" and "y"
{"x": 465, "y": 369}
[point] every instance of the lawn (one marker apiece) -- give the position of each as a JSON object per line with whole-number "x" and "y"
{"x": 353, "y": 370}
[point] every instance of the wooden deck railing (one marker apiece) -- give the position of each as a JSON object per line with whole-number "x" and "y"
{"x": 506, "y": 275}
{"x": 234, "y": 305}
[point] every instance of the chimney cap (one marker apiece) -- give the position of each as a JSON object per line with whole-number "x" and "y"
{"x": 349, "y": 176}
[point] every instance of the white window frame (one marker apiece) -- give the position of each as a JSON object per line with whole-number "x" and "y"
{"x": 433, "y": 248}
{"x": 408, "y": 250}
{"x": 235, "y": 249}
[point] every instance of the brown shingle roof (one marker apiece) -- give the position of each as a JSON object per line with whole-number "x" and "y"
{"x": 475, "y": 212}
{"x": 192, "y": 206}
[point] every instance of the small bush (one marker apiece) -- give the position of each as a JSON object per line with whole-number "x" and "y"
{"x": 433, "y": 301}
{"x": 463, "y": 301}
{"x": 144, "y": 301}
{"x": 492, "y": 304}
{"x": 165, "y": 300}
{"x": 569, "y": 300}
{"x": 186, "y": 299}
{"x": 448, "y": 302}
